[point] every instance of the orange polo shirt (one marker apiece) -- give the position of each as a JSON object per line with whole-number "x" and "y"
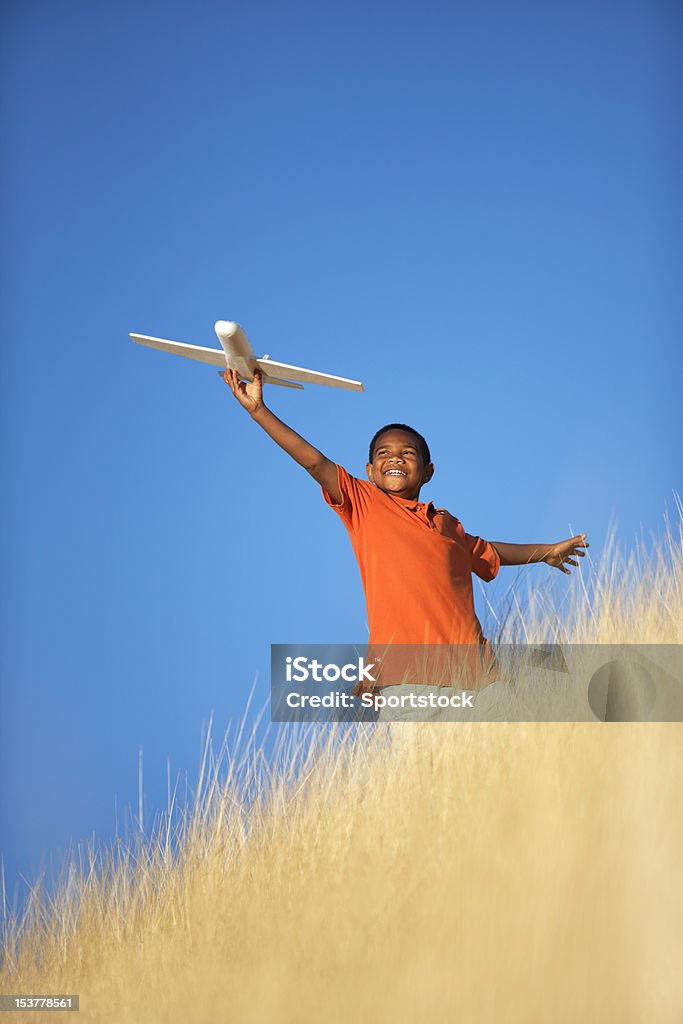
{"x": 416, "y": 563}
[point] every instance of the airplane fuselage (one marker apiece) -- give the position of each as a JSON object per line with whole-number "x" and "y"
{"x": 239, "y": 354}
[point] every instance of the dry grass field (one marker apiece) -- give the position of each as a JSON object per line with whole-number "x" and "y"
{"x": 476, "y": 872}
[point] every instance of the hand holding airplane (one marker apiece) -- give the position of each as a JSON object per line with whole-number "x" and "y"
{"x": 250, "y": 396}
{"x": 237, "y": 355}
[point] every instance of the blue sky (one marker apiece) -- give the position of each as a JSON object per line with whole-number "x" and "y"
{"x": 473, "y": 208}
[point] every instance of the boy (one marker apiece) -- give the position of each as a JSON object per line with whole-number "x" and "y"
{"x": 416, "y": 561}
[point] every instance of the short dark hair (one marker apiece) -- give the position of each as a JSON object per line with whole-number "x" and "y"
{"x": 424, "y": 447}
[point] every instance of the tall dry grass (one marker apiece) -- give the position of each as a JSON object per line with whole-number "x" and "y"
{"x": 474, "y": 872}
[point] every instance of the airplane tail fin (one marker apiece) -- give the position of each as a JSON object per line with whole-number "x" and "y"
{"x": 271, "y": 380}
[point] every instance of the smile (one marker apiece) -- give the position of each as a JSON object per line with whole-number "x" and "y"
{"x": 394, "y": 472}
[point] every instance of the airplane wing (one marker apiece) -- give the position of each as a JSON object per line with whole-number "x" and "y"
{"x": 282, "y": 371}
{"x": 273, "y": 373}
{"x": 215, "y": 356}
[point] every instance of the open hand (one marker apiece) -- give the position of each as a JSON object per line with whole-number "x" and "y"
{"x": 250, "y": 396}
{"x": 566, "y": 551}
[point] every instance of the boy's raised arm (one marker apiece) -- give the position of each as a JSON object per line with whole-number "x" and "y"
{"x": 250, "y": 397}
{"x": 562, "y": 553}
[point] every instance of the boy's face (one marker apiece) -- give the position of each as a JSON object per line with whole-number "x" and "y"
{"x": 397, "y": 466}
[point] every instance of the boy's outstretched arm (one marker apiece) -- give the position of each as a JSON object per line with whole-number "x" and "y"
{"x": 564, "y": 552}
{"x": 250, "y": 397}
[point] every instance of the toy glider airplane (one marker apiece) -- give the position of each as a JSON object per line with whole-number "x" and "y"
{"x": 237, "y": 354}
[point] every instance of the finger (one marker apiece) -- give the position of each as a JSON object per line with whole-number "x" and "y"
{"x": 570, "y": 561}
{"x": 565, "y": 571}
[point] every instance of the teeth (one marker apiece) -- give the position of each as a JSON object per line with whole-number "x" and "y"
{"x": 394, "y": 472}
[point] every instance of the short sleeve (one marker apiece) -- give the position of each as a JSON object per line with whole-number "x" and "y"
{"x": 485, "y": 558}
{"x": 356, "y": 499}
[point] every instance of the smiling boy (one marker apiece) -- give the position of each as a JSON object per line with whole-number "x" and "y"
{"x": 416, "y": 561}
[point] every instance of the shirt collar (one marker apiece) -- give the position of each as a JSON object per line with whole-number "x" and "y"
{"x": 412, "y": 506}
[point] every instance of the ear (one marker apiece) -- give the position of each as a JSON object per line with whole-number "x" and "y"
{"x": 428, "y": 473}
{"x": 368, "y": 470}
